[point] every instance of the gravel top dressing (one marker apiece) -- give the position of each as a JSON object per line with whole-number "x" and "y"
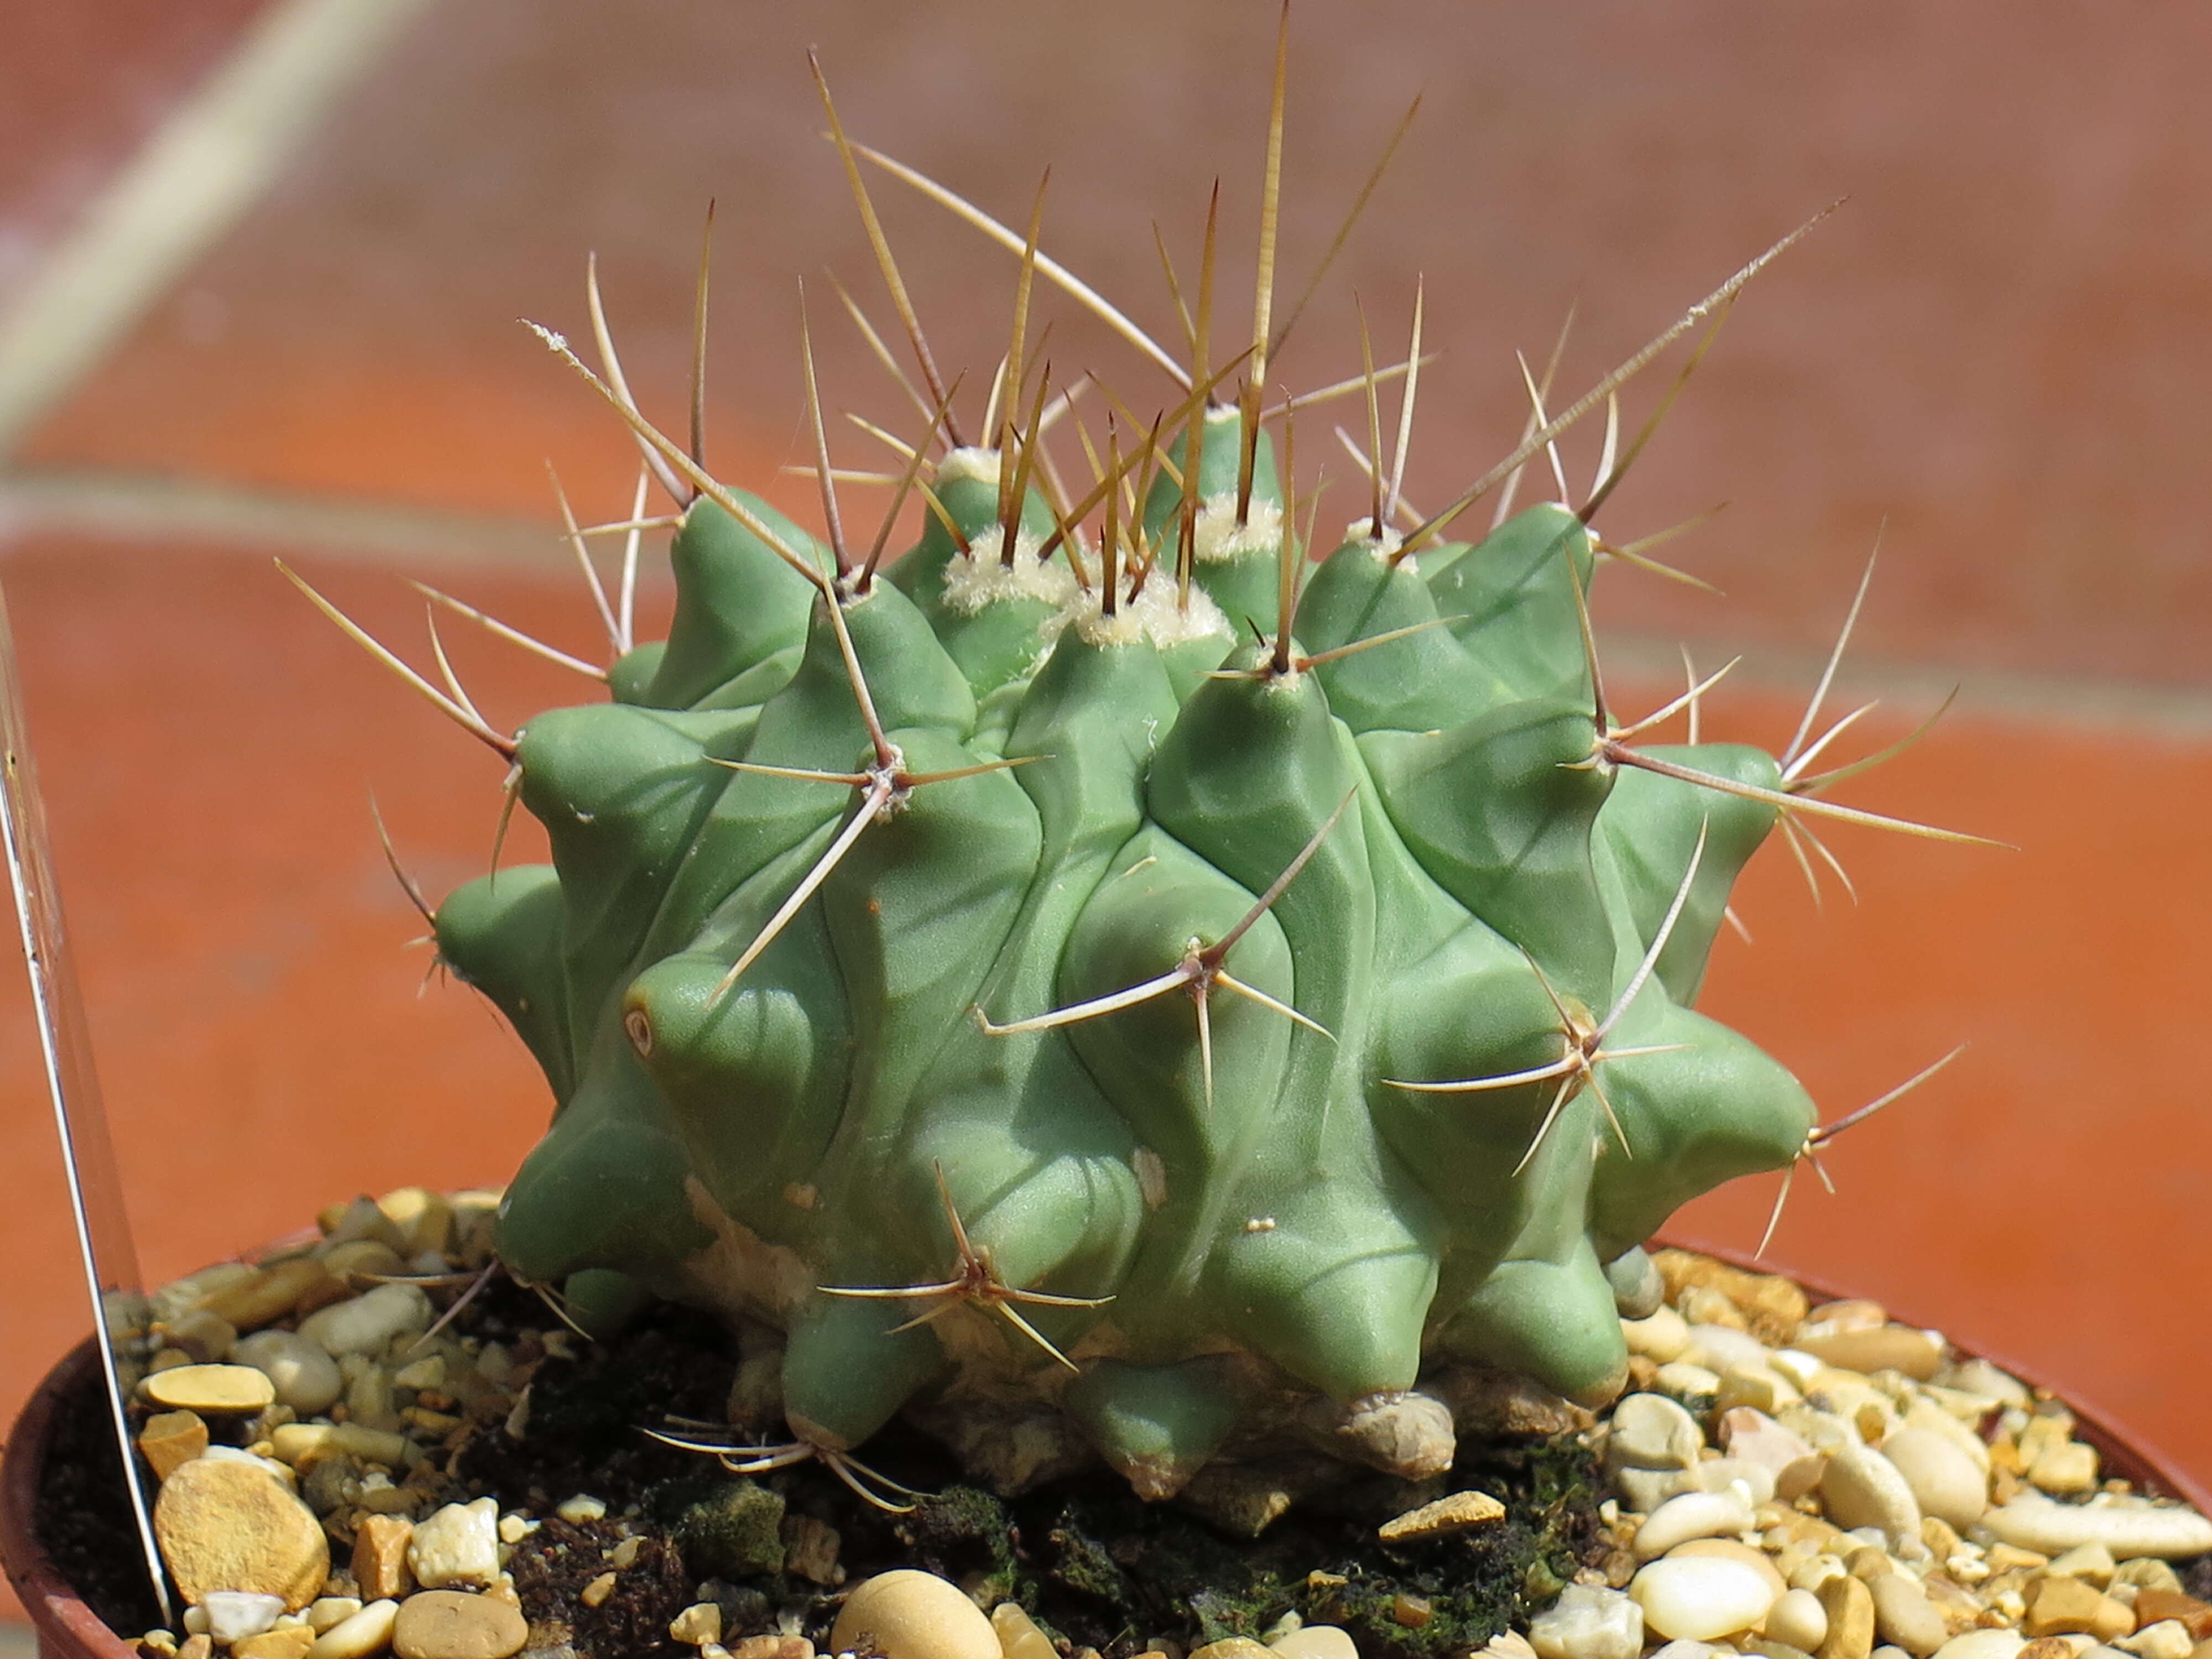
{"x": 345, "y": 1474}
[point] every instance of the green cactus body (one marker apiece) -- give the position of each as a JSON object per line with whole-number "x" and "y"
{"x": 1229, "y": 1208}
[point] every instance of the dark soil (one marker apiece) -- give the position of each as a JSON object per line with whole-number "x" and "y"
{"x": 1093, "y": 1565}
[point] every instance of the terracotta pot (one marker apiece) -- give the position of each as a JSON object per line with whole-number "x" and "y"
{"x": 68, "y": 1629}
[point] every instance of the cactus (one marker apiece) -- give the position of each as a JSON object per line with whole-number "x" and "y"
{"x": 1109, "y": 970}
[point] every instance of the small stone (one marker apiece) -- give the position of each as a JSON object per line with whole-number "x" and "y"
{"x": 1730, "y": 1549}
{"x": 515, "y": 1526}
{"x": 598, "y": 1590}
{"x": 1995, "y": 1644}
{"x": 1798, "y": 1619}
{"x": 1645, "y": 1489}
{"x": 198, "y": 1645}
{"x": 1457, "y": 1512}
{"x": 908, "y": 1614}
{"x": 285, "y": 1641}
{"x": 326, "y": 1611}
{"x": 2166, "y": 1639}
{"x": 581, "y": 1507}
{"x": 302, "y": 1445}
{"x": 1650, "y": 1431}
{"x": 457, "y": 1545}
{"x": 1701, "y": 1597}
{"x": 1231, "y": 1647}
{"x": 1719, "y": 1473}
{"x": 441, "y": 1624}
{"x": 226, "y": 1525}
{"x": 1721, "y": 1348}
{"x": 768, "y": 1647}
{"x": 2032, "y": 1522}
{"x": 1850, "y": 1606}
{"x": 171, "y": 1438}
{"x": 1755, "y": 1437}
{"x": 1316, "y": 1641}
{"x": 369, "y": 1322}
{"x": 1680, "y": 1649}
{"x": 379, "y": 1557}
{"x": 304, "y": 1376}
{"x": 1903, "y": 1615}
{"x": 1862, "y": 1488}
{"x": 1412, "y": 1612}
{"x": 1588, "y": 1623}
{"x": 268, "y": 1293}
{"x": 1758, "y": 1387}
{"x": 1979, "y": 1377}
{"x": 698, "y": 1625}
{"x": 1772, "y": 1305}
{"x": 2065, "y": 1607}
{"x": 424, "y": 1219}
{"x": 1944, "y": 1480}
{"x": 233, "y": 1615}
{"x": 205, "y": 1336}
{"x": 1885, "y": 1348}
{"x": 1406, "y": 1433}
{"x": 1689, "y": 1386}
{"x": 2157, "y": 1605}
{"x": 2091, "y": 1563}
{"x": 369, "y": 1631}
{"x": 2066, "y": 1469}
{"x": 811, "y": 1549}
{"x": 210, "y": 1390}
{"x": 625, "y": 1554}
{"x": 1664, "y": 1337}
{"x": 1694, "y": 1514}
{"x": 2146, "y": 1572}
{"x": 1020, "y": 1638}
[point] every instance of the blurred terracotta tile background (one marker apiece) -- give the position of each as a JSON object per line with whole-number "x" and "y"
{"x": 1998, "y": 346}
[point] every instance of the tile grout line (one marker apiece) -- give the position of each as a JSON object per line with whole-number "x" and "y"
{"x": 206, "y": 165}
{"x": 137, "y": 506}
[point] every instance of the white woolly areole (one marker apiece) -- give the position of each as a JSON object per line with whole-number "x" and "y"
{"x": 980, "y": 466}
{"x": 981, "y": 577}
{"x": 1157, "y": 613}
{"x": 1217, "y": 537}
{"x": 1384, "y": 546}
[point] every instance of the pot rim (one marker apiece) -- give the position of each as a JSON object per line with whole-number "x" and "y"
{"x": 67, "y": 1627}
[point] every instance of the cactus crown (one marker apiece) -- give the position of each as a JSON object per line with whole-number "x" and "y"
{"x": 1108, "y": 975}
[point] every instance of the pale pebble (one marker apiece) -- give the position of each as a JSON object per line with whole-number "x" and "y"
{"x": 2067, "y": 1470}
{"x": 226, "y": 1525}
{"x": 1905, "y": 1617}
{"x": 1664, "y": 1337}
{"x": 357, "y": 1638}
{"x": 2169, "y": 1639}
{"x": 1701, "y": 1597}
{"x": 1982, "y": 1645}
{"x": 1688, "y": 1385}
{"x": 1862, "y": 1488}
{"x": 1589, "y": 1622}
{"x": 2035, "y": 1523}
{"x": 1020, "y": 1638}
{"x": 1310, "y": 1642}
{"x": 1751, "y": 1436}
{"x": 1928, "y": 1415}
{"x": 1694, "y": 1514}
{"x": 1719, "y": 1348}
{"x": 457, "y": 1545}
{"x": 1800, "y": 1367}
{"x": 210, "y": 1390}
{"x": 1645, "y": 1489}
{"x": 581, "y": 1507}
{"x": 304, "y": 1376}
{"x": 1918, "y": 1354}
{"x": 370, "y": 1321}
{"x": 909, "y": 1614}
{"x": 233, "y": 1615}
{"x": 325, "y": 1612}
{"x": 1719, "y": 1473}
{"x": 2093, "y": 1563}
{"x": 1681, "y": 1648}
{"x": 1943, "y": 1479}
{"x": 454, "y": 1625}
{"x": 697, "y": 1624}
{"x": 1759, "y": 1387}
{"x": 1798, "y": 1619}
{"x": 1979, "y": 1377}
{"x": 1650, "y": 1431}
